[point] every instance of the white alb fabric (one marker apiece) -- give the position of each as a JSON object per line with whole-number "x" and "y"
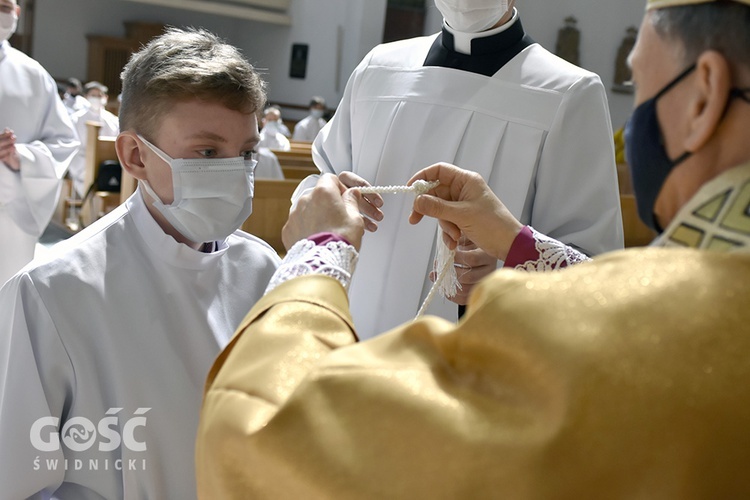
{"x": 46, "y": 142}
{"x": 123, "y": 317}
{"x": 307, "y": 129}
{"x": 538, "y": 132}
{"x": 268, "y": 166}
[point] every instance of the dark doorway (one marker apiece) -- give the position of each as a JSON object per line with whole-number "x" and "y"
{"x": 404, "y": 19}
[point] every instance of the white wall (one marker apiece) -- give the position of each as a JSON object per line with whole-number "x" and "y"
{"x": 62, "y": 47}
{"x": 602, "y": 24}
{"x": 339, "y": 33}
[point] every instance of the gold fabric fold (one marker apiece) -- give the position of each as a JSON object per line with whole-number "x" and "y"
{"x": 625, "y": 377}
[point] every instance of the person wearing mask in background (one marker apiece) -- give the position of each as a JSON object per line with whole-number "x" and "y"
{"x": 625, "y": 377}
{"x": 74, "y": 100}
{"x": 62, "y": 91}
{"x": 274, "y": 134}
{"x": 482, "y": 95}
{"x": 37, "y": 142}
{"x": 307, "y": 128}
{"x": 117, "y": 328}
{"x": 268, "y": 163}
{"x": 96, "y": 94}
{"x": 275, "y": 115}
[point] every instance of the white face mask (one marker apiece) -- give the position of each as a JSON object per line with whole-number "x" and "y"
{"x": 316, "y": 113}
{"x": 97, "y": 103}
{"x": 8, "y": 24}
{"x": 212, "y": 197}
{"x": 472, "y": 16}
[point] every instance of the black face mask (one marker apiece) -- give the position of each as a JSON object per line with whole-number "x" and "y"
{"x": 645, "y": 152}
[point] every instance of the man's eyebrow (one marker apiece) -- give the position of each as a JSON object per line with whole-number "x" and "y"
{"x": 207, "y": 135}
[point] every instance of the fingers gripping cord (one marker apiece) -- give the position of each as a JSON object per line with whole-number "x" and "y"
{"x": 446, "y": 282}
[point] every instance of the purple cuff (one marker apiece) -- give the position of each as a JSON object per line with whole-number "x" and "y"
{"x": 321, "y": 239}
{"x": 523, "y": 249}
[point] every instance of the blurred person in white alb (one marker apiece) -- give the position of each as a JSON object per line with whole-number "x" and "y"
{"x": 37, "y": 142}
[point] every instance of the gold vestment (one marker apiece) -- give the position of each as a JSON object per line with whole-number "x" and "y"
{"x": 625, "y": 377}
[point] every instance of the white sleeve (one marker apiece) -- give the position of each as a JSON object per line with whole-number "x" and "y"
{"x": 304, "y": 186}
{"x": 302, "y": 130}
{"x": 44, "y": 162}
{"x": 36, "y": 378}
{"x": 577, "y": 198}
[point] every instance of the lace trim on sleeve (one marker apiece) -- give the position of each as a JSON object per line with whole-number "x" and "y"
{"x": 336, "y": 259}
{"x": 552, "y": 254}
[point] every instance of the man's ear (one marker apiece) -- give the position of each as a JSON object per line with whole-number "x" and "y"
{"x": 129, "y": 152}
{"x": 709, "y": 102}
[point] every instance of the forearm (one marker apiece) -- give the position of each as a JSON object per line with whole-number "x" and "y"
{"x": 283, "y": 338}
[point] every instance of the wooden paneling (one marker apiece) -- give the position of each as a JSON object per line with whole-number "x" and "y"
{"x": 107, "y": 57}
{"x": 636, "y": 232}
{"x": 271, "y": 204}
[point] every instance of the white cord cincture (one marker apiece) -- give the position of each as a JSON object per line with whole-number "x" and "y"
{"x": 446, "y": 282}
{"x": 419, "y": 187}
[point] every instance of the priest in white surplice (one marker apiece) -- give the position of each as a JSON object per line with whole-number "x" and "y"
{"x": 37, "y": 141}
{"x": 482, "y": 95}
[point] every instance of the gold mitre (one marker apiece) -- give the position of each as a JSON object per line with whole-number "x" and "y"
{"x": 660, "y": 4}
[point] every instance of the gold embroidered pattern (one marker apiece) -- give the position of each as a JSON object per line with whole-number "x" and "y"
{"x": 718, "y": 216}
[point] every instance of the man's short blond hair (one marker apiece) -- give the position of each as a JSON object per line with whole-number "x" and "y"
{"x": 181, "y": 65}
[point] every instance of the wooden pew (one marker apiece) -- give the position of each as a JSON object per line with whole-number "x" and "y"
{"x": 68, "y": 205}
{"x": 98, "y": 149}
{"x": 297, "y": 163}
{"x": 271, "y": 203}
{"x": 301, "y": 146}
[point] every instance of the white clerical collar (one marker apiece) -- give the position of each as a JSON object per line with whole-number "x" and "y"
{"x": 462, "y": 41}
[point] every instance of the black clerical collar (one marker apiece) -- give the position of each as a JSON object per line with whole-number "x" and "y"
{"x": 485, "y": 41}
{"x": 490, "y": 50}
